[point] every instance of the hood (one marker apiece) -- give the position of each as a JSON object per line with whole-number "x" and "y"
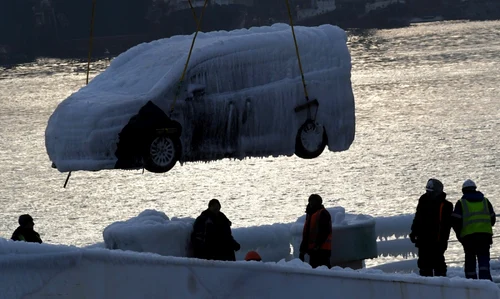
{"x": 473, "y": 196}
{"x": 219, "y": 217}
{"x": 310, "y": 210}
{"x": 82, "y": 132}
{"x": 434, "y": 196}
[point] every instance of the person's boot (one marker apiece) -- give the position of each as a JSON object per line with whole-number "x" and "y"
{"x": 484, "y": 267}
{"x": 485, "y": 274}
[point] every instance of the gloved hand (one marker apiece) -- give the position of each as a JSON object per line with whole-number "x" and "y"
{"x": 301, "y": 256}
{"x": 236, "y": 246}
{"x": 413, "y": 238}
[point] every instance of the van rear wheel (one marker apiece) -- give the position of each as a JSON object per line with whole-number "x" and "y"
{"x": 161, "y": 153}
{"x": 311, "y": 140}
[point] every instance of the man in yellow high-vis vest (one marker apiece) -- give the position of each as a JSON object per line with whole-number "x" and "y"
{"x": 473, "y": 220}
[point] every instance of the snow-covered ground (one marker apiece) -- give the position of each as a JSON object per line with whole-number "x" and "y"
{"x": 154, "y": 232}
{"x": 48, "y": 271}
{"x": 153, "y": 262}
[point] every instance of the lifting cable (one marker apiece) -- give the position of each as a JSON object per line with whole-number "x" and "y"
{"x": 298, "y": 58}
{"x": 88, "y": 60}
{"x": 194, "y": 12}
{"x": 198, "y": 27}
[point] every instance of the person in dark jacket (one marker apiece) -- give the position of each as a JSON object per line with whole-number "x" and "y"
{"x": 431, "y": 228}
{"x": 473, "y": 221}
{"x": 317, "y": 233}
{"x": 25, "y": 231}
{"x": 211, "y": 237}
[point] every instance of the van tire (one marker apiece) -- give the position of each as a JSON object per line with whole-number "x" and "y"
{"x": 311, "y": 140}
{"x": 161, "y": 153}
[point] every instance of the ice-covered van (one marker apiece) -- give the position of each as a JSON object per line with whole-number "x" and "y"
{"x": 242, "y": 97}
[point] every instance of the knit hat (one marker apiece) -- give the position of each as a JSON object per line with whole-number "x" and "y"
{"x": 253, "y": 256}
{"x": 25, "y": 219}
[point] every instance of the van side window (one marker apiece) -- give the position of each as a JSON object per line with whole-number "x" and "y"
{"x": 201, "y": 76}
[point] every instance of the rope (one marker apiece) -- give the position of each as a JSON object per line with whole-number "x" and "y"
{"x": 91, "y": 39}
{"x": 88, "y": 62}
{"x": 297, "y": 51}
{"x": 198, "y": 27}
{"x": 194, "y": 12}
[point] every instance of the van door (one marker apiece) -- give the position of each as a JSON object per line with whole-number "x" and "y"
{"x": 214, "y": 125}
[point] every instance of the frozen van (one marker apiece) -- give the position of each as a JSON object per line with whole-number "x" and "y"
{"x": 242, "y": 96}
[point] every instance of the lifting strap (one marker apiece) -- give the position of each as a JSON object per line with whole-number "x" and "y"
{"x": 314, "y": 102}
{"x": 198, "y": 27}
{"x": 194, "y": 12}
{"x": 88, "y": 61}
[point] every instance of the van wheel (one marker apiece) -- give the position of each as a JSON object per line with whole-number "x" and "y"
{"x": 161, "y": 153}
{"x": 311, "y": 140}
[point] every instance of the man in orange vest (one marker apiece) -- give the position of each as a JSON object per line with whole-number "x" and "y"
{"x": 317, "y": 233}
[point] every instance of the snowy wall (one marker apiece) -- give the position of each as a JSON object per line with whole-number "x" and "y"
{"x": 50, "y": 271}
{"x": 154, "y": 232}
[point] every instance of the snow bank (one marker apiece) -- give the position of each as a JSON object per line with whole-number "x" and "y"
{"x": 397, "y": 226}
{"x": 49, "y": 271}
{"x": 393, "y": 236}
{"x": 259, "y": 64}
{"x": 353, "y": 236}
{"x": 152, "y": 231}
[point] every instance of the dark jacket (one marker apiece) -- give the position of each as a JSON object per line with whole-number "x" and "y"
{"x": 212, "y": 239}
{"x": 26, "y": 234}
{"x": 432, "y": 223}
{"x": 472, "y": 196}
{"x": 324, "y": 222}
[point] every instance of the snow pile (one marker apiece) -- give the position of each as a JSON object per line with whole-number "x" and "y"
{"x": 259, "y": 64}
{"x": 353, "y": 236}
{"x": 68, "y": 272}
{"x": 152, "y": 231}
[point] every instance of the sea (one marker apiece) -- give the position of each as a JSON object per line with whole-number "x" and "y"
{"x": 427, "y": 105}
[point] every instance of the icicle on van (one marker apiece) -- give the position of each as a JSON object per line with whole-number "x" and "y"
{"x": 238, "y": 100}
